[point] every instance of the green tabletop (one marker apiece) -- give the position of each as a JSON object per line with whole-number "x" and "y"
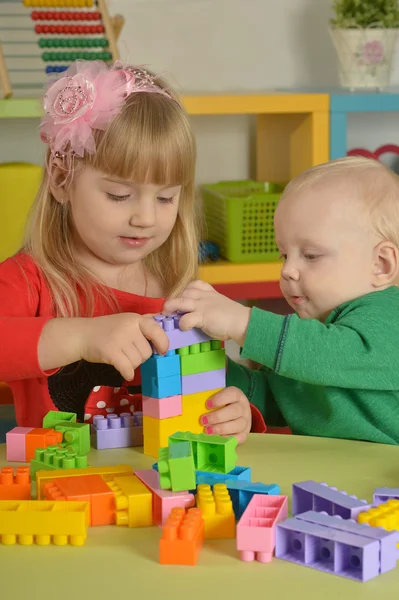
{"x": 123, "y": 563}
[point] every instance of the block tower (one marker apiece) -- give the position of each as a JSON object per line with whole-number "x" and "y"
{"x": 176, "y": 386}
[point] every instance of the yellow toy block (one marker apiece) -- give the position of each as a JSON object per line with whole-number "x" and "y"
{"x": 384, "y": 515}
{"x": 107, "y": 473}
{"x": 217, "y": 511}
{"x": 30, "y": 521}
{"x": 157, "y": 431}
{"x": 193, "y": 407}
{"x": 133, "y": 502}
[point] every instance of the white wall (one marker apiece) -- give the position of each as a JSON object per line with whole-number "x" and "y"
{"x": 224, "y": 45}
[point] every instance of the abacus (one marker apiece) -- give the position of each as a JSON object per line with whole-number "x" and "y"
{"x": 39, "y": 38}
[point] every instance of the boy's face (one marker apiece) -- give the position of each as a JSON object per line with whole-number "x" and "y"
{"x": 327, "y": 247}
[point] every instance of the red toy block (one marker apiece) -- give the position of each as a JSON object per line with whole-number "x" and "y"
{"x": 41, "y": 438}
{"x": 14, "y": 487}
{"x": 182, "y": 537}
{"x": 16, "y": 444}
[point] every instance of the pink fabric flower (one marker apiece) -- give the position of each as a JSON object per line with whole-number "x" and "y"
{"x": 373, "y": 52}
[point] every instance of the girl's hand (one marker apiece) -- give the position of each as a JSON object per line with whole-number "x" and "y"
{"x": 218, "y": 316}
{"x": 122, "y": 340}
{"x": 232, "y": 417}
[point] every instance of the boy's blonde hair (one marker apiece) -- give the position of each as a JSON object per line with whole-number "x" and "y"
{"x": 149, "y": 141}
{"x": 377, "y": 189}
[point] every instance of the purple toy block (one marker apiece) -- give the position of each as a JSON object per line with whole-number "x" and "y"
{"x": 177, "y": 337}
{"x": 16, "y": 444}
{"x": 384, "y": 494}
{"x": 117, "y": 432}
{"x": 388, "y": 540}
{"x": 329, "y": 550}
{"x": 310, "y": 495}
{"x": 203, "y": 382}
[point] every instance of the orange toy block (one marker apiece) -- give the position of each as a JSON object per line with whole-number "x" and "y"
{"x": 41, "y": 438}
{"x": 182, "y": 537}
{"x": 14, "y": 487}
{"x": 88, "y": 488}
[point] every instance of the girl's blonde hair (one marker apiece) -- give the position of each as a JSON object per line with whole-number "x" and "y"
{"x": 149, "y": 141}
{"x": 376, "y": 187}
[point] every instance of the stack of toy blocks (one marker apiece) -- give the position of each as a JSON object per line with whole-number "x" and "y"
{"x": 176, "y": 386}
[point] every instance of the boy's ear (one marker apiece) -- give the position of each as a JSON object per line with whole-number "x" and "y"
{"x": 57, "y": 180}
{"x": 386, "y": 265}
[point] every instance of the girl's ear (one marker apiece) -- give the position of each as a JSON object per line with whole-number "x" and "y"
{"x": 57, "y": 180}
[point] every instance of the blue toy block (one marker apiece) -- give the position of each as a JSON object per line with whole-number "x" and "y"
{"x": 241, "y": 493}
{"x": 310, "y": 495}
{"x": 329, "y": 550}
{"x": 237, "y": 474}
{"x": 161, "y": 366}
{"x": 388, "y": 540}
{"x": 161, "y": 388}
{"x": 384, "y": 494}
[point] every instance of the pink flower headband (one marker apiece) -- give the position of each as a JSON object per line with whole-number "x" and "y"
{"x": 87, "y": 96}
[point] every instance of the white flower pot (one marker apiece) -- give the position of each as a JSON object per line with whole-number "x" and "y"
{"x": 365, "y": 56}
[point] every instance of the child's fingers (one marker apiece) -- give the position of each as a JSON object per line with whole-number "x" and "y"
{"x": 123, "y": 364}
{"x": 222, "y": 415}
{"x": 235, "y": 427}
{"x": 153, "y": 332}
{"x": 180, "y": 304}
{"x": 229, "y": 395}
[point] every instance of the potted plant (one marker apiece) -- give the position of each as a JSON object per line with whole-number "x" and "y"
{"x": 364, "y": 33}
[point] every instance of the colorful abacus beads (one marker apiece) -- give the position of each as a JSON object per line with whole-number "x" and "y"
{"x": 76, "y": 15}
{"x": 58, "y": 3}
{"x": 55, "y": 56}
{"x": 73, "y": 43}
{"x": 69, "y": 29}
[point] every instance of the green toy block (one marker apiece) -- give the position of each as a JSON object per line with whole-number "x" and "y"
{"x": 56, "y": 457}
{"x": 200, "y": 362}
{"x": 55, "y": 417}
{"x": 212, "y": 453}
{"x": 76, "y": 435}
{"x": 176, "y": 467}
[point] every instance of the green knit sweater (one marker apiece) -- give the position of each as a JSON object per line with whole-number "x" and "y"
{"x": 334, "y": 379}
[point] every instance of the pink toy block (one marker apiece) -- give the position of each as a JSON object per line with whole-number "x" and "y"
{"x": 203, "y": 382}
{"x": 177, "y": 337}
{"x": 163, "y": 500}
{"x": 256, "y": 530}
{"x": 16, "y": 444}
{"x": 162, "y": 408}
{"x": 117, "y": 432}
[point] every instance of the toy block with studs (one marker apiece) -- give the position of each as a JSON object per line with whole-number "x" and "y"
{"x": 32, "y": 521}
{"x": 87, "y": 488}
{"x": 384, "y": 515}
{"x": 310, "y": 495}
{"x": 163, "y": 500}
{"x": 54, "y": 457}
{"x": 177, "y": 337}
{"x": 41, "y": 438}
{"x": 107, "y": 473}
{"x": 256, "y": 530}
{"x": 176, "y": 467}
{"x": 213, "y": 453}
{"x": 16, "y": 444}
{"x": 217, "y": 511}
{"x": 133, "y": 502}
{"x": 238, "y": 473}
{"x": 241, "y": 493}
{"x": 15, "y": 487}
{"x": 182, "y": 537}
{"x": 382, "y": 495}
{"x": 56, "y": 417}
{"x": 201, "y": 358}
{"x": 112, "y": 431}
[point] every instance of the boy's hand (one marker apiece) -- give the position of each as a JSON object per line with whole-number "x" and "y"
{"x": 216, "y": 315}
{"x": 232, "y": 417}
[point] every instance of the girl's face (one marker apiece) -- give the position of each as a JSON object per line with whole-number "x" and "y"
{"x": 121, "y": 222}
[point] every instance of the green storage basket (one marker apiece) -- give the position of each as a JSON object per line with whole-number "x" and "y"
{"x": 239, "y": 216}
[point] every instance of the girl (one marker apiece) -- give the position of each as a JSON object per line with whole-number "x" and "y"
{"x": 113, "y": 230}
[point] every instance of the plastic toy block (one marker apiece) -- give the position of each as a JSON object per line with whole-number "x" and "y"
{"x": 54, "y": 457}
{"x": 56, "y": 417}
{"x": 387, "y": 539}
{"x": 238, "y": 473}
{"x": 385, "y": 515}
{"x": 162, "y": 408}
{"x": 107, "y": 473}
{"x": 133, "y": 502}
{"x": 88, "y": 488}
{"x": 162, "y": 387}
{"x": 182, "y": 537}
{"x": 213, "y": 453}
{"x": 41, "y": 438}
{"x": 76, "y": 435}
{"x": 163, "y": 500}
{"x": 194, "y": 406}
{"x": 16, "y": 444}
{"x": 309, "y": 495}
{"x": 217, "y": 511}
{"x": 157, "y": 367}
{"x": 329, "y": 550}
{"x": 383, "y": 494}
{"x": 201, "y": 359}
{"x": 14, "y": 487}
{"x": 177, "y": 337}
{"x": 241, "y": 493}
{"x": 41, "y": 522}
{"x": 116, "y": 432}
{"x": 176, "y": 467}
{"x": 256, "y": 530}
{"x": 202, "y": 382}
{"x": 157, "y": 432}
